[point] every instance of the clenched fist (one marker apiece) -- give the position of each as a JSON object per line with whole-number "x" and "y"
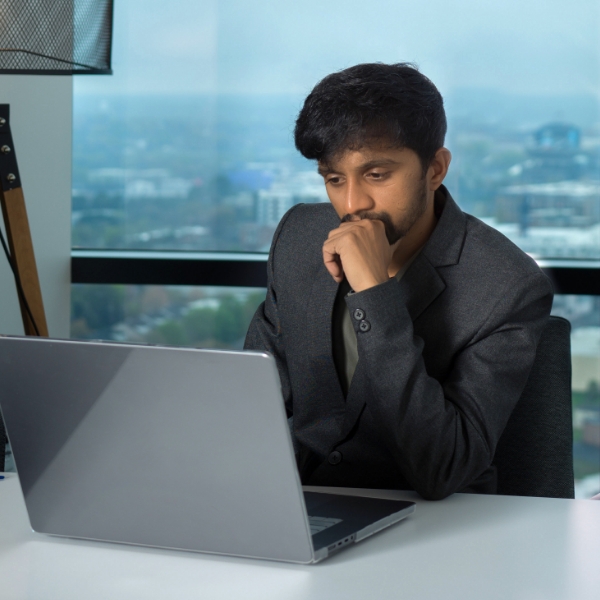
{"x": 358, "y": 250}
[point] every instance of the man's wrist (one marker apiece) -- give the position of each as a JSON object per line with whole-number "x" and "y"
{"x": 366, "y": 284}
{"x": 365, "y": 289}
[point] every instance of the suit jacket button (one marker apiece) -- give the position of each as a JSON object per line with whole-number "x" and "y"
{"x": 364, "y": 326}
{"x": 359, "y": 314}
{"x": 335, "y": 458}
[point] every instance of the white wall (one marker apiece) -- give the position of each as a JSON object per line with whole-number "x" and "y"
{"x": 41, "y": 124}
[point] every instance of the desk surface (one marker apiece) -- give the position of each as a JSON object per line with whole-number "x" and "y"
{"x": 467, "y": 546}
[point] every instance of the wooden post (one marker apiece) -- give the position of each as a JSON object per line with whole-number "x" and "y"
{"x": 18, "y": 233}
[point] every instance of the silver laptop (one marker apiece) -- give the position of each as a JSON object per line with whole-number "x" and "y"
{"x": 168, "y": 447}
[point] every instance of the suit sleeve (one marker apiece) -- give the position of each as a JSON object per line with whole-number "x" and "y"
{"x": 264, "y": 332}
{"x": 442, "y": 436}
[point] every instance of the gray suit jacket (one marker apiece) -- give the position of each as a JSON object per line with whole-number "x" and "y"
{"x": 440, "y": 369}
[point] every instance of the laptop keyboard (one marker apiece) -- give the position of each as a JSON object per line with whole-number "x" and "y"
{"x": 318, "y": 524}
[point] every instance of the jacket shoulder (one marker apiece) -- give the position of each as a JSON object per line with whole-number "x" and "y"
{"x": 487, "y": 251}
{"x": 302, "y": 231}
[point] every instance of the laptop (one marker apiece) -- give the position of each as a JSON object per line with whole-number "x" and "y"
{"x": 176, "y": 448}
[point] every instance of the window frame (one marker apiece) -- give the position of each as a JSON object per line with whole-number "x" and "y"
{"x": 239, "y": 269}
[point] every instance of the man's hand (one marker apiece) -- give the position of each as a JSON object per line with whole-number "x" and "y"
{"x": 360, "y": 251}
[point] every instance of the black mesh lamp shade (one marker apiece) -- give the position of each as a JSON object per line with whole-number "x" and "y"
{"x": 56, "y": 37}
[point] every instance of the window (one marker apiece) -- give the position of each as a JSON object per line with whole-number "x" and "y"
{"x": 189, "y": 145}
{"x": 205, "y": 317}
{"x": 189, "y": 148}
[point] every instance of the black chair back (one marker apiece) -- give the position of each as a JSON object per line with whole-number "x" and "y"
{"x": 534, "y": 456}
{"x": 2, "y": 444}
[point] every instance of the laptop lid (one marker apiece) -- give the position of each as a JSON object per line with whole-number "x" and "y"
{"x": 168, "y": 447}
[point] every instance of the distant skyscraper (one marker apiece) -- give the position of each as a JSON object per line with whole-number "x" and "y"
{"x": 557, "y": 186}
{"x": 556, "y": 155}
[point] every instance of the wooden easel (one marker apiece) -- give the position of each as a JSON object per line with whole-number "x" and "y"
{"x": 18, "y": 233}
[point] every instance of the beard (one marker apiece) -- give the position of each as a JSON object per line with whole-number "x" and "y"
{"x": 396, "y": 231}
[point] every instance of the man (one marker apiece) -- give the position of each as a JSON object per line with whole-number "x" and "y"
{"x": 404, "y": 330}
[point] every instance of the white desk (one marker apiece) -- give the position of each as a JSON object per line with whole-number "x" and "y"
{"x": 467, "y": 546}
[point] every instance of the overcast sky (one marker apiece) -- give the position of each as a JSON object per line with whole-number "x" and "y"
{"x": 266, "y": 46}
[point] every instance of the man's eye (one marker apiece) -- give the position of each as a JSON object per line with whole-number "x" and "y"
{"x": 377, "y": 175}
{"x": 333, "y": 180}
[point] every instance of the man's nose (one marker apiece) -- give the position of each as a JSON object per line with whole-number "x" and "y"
{"x": 357, "y": 199}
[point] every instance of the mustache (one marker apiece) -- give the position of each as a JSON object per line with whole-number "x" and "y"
{"x": 391, "y": 231}
{"x": 373, "y": 216}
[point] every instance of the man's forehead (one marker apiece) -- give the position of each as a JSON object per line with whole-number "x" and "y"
{"x": 366, "y": 156}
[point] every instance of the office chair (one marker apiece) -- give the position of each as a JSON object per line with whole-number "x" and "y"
{"x": 534, "y": 456}
{"x": 2, "y": 444}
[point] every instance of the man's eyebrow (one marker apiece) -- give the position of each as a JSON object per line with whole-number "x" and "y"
{"x": 378, "y": 162}
{"x": 324, "y": 170}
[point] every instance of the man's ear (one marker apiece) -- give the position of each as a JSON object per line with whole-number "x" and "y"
{"x": 438, "y": 168}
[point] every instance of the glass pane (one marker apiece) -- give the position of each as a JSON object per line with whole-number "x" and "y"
{"x": 204, "y": 317}
{"x": 584, "y": 314}
{"x": 189, "y": 144}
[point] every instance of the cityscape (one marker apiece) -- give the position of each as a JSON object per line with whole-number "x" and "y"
{"x": 216, "y": 173}
{"x": 201, "y": 173}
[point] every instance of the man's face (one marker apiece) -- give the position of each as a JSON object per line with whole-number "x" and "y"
{"x": 378, "y": 183}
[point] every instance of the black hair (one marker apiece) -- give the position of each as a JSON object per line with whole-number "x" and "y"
{"x": 371, "y": 104}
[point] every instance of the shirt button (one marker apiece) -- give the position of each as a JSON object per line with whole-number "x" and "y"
{"x": 364, "y": 326}
{"x": 359, "y": 314}
{"x": 335, "y": 458}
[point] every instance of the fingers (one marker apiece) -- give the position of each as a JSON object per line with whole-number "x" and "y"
{"x": 333, "y": 247}
{"x": 357, "y": 250}
{"x": 358, "y": 233}
{"x": 361, "y": 226}
{"x": 333, "y": 264}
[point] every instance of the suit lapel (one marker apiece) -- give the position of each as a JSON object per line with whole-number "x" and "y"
{"x": 420, "y": 286}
